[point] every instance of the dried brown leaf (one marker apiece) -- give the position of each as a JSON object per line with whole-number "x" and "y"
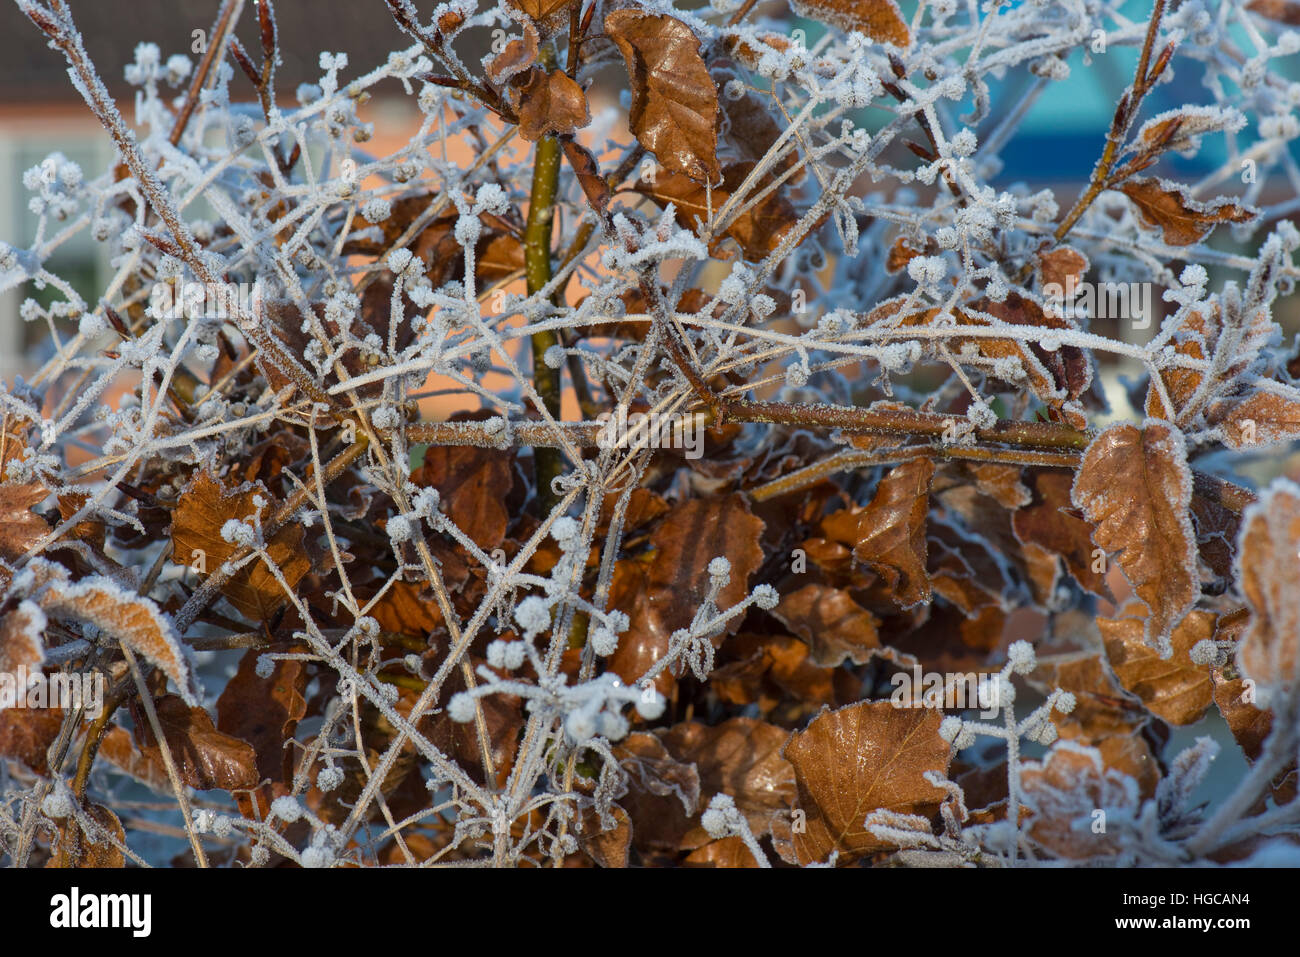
{"x": 1268, "y": 568}
{"x": 674, "y": 102}
{"x": 856, "y": 760}
{"x": 205, "y": 506}
{"x": 1135, "y": 486}
{"x": 205, "y": 758}
{"x": 1175, "y": 689}
{"x": 1182, "y": 219}
{"x": 551, "y": 104}
{"x": 878, "y": 19}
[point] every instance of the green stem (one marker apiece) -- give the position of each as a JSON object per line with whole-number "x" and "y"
{"x": 537, "y": 271}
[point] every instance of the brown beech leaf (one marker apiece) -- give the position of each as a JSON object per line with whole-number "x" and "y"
{"x": 1071, "y": 782}
{"x": 551, "y": 104}
{"x": 1268, "y": 568}
{"x": 834, "y": 626}
{"x": 119, "y": 614}
{"x": 662, "y": 592}
{"x": 1174, "y": 689}
{"x": 1181, "y": 219}
{"x": 205, "y": 506}
{"x": 663, "y": 795}
{"x": 587, "y": 169}
{"x": 889, "y": 533}
{"x": 1180, "y": 384}
{"x": 1135, "y": 486}
{"x": 77, "y": 848}
{"x": 27, "y": 733}
{"x": 1284, "y": 11}
{"x": 1261, "y": 419}
{"x": 759, "y": 230}
{"x": 1003, "y": 483}
{"x": 518, "y": 55}
{"x": 878, "y": 19}
{"x": 856, "y": 760}
{"x": 1049, "y": 523}
{"x": 121, "y": 751}
{"x": 1181, "y": 129}
{"x": 205, "y": 758}
{"x": 21, "y": 644}
{"x": 752, "y": 130}
{"x": 727, "y": 852}
{"x": 1063, "y": 267}
{"x": 607, "y": 848}
{"x": 265, "y": 711}
{"x": 740, "y": 757}
{"x": 540, "y": 10}
{"x": 674, "y": 102}
{"x": 20, "y": 527}
{"x": 473, "y": 484}
{"x": 1250, "y": 725}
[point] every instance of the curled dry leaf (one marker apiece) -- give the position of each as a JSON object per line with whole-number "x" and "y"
{"x": 205, "y": 758}
{"x": 1182, "y": 220}
{"x": 879, "y": 19}
{"x": 833, "y": 625}
{"x": 265, "y": 711}
{"x": 888, "y": 535}
{"x": 519, "y": 54}
{"x": 1175, "y": 689}
{"x": 1268, "y": 567}
{"x": 550, "y": 103}
{"x": 473, "y": 484}
{"x": 1050, "y": 523}
{"x": 758, "y": 230}
{"x": 727, "y": 852}
{"x": 1260, "y": 419}
{"x": 740, "y": 757}
{"x": 856, "y": 760}
{"x": 1063, "y": 268}
{"x": 1072, "y": 782}
{"x": 607, "y": 848}
{"x": 661, "y": 593}
{"x": 1284, "y": 11}
{"x": 587, "y": 169}
{"x": 21, "y": 644}
{"x": 119, "y": 614}
{"x": 93, "y": 846}
{"x": 205, "y": 506}
{"x": 674, "y": 102}
{"x": 1135, "y": 486}
{"x": 27, "y": 733}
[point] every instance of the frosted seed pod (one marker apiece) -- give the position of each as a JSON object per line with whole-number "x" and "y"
{"x": 222, "y": 826}
{"x": 580, "y": 726}
{"x": 565, "y": 529}
{"x": 766, "y": 597}
{"x": 1204, "y": 652}
{"x": 286, "y": 808}
{"x": 265, "y": 666}
{"x": 461, "y": 708}
{"x": 376, "y": 210}
{"x": 720, "y": 569}
{"x": 651, "y": 704}
{"x": 613, "y": 725}
{"x": 514, "y": 655}
{"x": 399, "y": 528}
{"x": 532, "y": 615}
{"x": 1021, "y": 657}
{"x": 317, "y": 857}
{"x": 1066, "y": 702}
{"x": 554, "y": 357}
{"x": 603, "y": 641}
{"x": 57, "y": 803}
{"x": 398, "y": 259}
{"x": 329, "y": 778}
